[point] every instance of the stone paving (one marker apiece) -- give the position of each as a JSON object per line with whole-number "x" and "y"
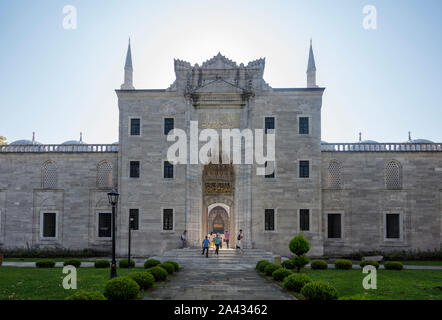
{"x": 241, "y": 282}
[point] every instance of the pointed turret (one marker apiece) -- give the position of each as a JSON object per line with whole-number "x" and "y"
{"x": 311, "y": 69}
{"x": 128, "y": 71}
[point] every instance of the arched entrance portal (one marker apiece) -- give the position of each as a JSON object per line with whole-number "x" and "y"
{"x": 218, "y": 221}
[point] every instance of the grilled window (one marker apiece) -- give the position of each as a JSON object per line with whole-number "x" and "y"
{"x": 269, "y": 169}
{"x": 334, "y": 175}
{"x": 49, "y": 175}
{"x": 168, "y": 125}
{"x": 104, "y": 225}
{"x": 133, "y": 216}
{"x": 334, "y": 225}
{"x": 304, "y": 171}
{"x": 393, "y": 175}
{"x": 168, "y": 170}
{"x": 167, "y": 219}
{"x": 134, "y": 169}
{"x": 304, "y": 219}
{"x": 104, "y": 175}
{"x": 269, "y": 123}
{"x": 393, "y": 225}
{"x": 135, "y": 125}
{"x": 269, "y": 223}
{"x": 303, "y": 125}
{"x": 49, "y": 225}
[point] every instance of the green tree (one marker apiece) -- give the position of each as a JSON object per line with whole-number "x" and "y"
{"x": 3, "y": 140}
{"x": 299, "y": 246}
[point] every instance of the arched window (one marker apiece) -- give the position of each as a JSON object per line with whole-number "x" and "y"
{"x": 104, "y": 175}
{"x": 393, "y": 175}
{"x": 49, "y": 175}
{"x": 334, "y": 175}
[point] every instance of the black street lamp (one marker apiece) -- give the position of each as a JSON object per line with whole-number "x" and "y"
{"x": 131, "y": 222}
{"x": 113, "y": 200}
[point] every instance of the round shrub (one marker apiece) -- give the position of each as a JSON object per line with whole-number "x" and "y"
{"x": 175, "y": 265}
{"x": 299, "y": 245}
{"x": 259, "y": 263}
{"x": 343, "y": 264}
{"x": 144, "y": 279}
{"x": 158, "y": 272}
{"x": 318, "y": 290}
{"x": 261, "y": 266}
{"x": 369, "y": 263}
{"x": 123, "y": 263}
{"x": 281, "y": 273}
{"x": 288, "y": 264}
{"x": 296, "y": 281}
{"x": 72, "y": 262}
{"x": 393, "y": 265}
{"x": 45, "y": 264}
{"x": 121, "y": 288}
{"x": 299, "y": 262}
{"x": 151, "y": 263}
{"x": 319, "y": 265}
{"x": 102, "y": 264}
{"x": 270, "y": 268}
{"x": 170, "y": 268}
{"x": 86, "y": 295}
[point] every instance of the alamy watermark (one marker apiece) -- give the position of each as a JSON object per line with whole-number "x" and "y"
{"x": 185, "y": 149}
{"x": 371, "y": 17}
{"x": 70, "y": 19}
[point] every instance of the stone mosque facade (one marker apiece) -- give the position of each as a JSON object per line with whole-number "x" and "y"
{"x": 344, "y": 197}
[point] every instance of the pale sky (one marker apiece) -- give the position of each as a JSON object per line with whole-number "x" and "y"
{"x": 382, "y": 82}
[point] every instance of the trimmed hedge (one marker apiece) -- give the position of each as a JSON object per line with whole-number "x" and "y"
{"x": 343, "y": 264}
{"x": 158, "y": 272}
{"x": 270, "y": 268}
{"x": 318, "y": 290}
{"x": 86, "y": 295}
{"x": 288, "y": 264}
{"x": 45, "y": 264}
{"x": 51, "y": 253}
{"x": 296, "y": 281}
{"x": 262, "y": 264}
{"x": 102, "y": 264}
{"x": 393, "y": 265}
{"x": 121, "y": 288}
{"x": 123, "y": 263}
{"x": 144, "y": 279}
{"x": 170, "y": 268}
{"x": 72, "y": 262}
{"x": 151, "y": 263}
{"x": 175, "y": 265}
{"x": 369, "y": 263}
{"x": 319, "y": 265}
{"x": 281, "y": 273}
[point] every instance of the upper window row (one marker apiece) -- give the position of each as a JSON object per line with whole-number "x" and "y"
{"x": 303, "y": 124}
{"x": 135, "y": 126}
{"x": 392, "y": 175}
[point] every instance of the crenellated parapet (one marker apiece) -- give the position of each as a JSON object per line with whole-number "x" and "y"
{"x": 190, "y": 79}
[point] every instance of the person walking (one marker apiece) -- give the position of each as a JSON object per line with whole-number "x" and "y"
{"x": 239, "y": 244}
{"x": 226, "y": 239}
{"x": 184, "y": 239}
{"x": 206, "y": 247}
{"x": 216, "y": 240}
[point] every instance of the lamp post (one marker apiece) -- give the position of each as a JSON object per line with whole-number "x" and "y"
{"x": 131, "y": 221}
{"x": 113, "y": 200}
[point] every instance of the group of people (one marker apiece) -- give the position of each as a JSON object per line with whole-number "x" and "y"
{"x": 215, "y": 241}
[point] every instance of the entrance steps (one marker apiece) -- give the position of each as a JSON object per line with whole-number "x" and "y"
{"x": 227, "y": 257}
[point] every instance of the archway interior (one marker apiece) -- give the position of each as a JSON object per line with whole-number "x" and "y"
{"x": 218, "y": 221}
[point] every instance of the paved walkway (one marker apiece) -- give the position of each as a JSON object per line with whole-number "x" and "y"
{"x": 228, "y": 284}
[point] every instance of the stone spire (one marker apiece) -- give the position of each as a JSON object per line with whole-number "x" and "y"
{"x": 128, "y": 71}
{"x": 311, "y": 69}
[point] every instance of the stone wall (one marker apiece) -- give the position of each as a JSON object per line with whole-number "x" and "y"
{"x": 76, "y": 199}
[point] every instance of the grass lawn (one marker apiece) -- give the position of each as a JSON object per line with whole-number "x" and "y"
{"x": 23, "y": 283}
{"x": 391, "y": 284}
